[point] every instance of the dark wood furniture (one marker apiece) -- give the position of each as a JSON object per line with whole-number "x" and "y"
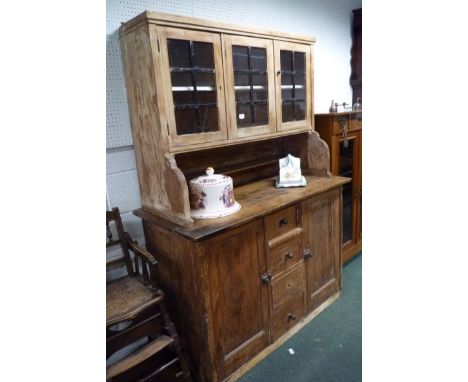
{"x": 209, "y": 94}
{"x": 241, "y": 285}
{"x": 343, "y": 134}
{"x": 135, "y": 311}
{"x": 356, "y": 56}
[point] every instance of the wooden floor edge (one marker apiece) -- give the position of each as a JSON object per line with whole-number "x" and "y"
{"x": 286, "y": 336}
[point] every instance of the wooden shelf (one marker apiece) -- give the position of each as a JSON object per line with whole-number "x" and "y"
{"x": 257, "y": 199}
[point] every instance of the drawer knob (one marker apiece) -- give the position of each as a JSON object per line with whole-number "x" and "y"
{"x": 283, "y": 221}
{"x": 289, "y": 255}
{"x": 291, "y": 317}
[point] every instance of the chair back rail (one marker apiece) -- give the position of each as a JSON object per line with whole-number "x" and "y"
{"x": 127, "y": 244}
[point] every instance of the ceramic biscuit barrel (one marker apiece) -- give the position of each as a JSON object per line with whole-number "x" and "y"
{"x": 212, "y": 196}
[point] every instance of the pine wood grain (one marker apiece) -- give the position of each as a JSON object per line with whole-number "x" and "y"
{"x": 203, "y": 24}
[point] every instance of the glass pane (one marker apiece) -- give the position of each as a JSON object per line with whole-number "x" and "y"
{"x": 181, "y": 79}
{"x": 209, "y": 118}
{"x": 243, "y": 95}
{"x": 300, "y": 87}
{"x": 206, "y": 97}
{"x": 241, "y": 79}
{"x": 346, "y": 169}
{"x": 244, "y": 117}
{"x": 286, "y": 87}
{"x": 240, "y": 57}
{"x": 300, "y": 111}
{"x": 179, "y": 53}
{"x": 206, "y": 88}
{"x": 261, "y": 114}
{"x": 299, "y": 62}
{"x": 185, "y": 121}
{"x": 203, "y": 55}
{"x": 206, "y": 81}
{"x": 287, "y": 111}
{"x": 183, "y": 98}
{"x": 286, "y": 60}
{"x": 347, "y": 212}
{"x": 346, "y": 158}
{"x": 260, "y": 88}
{"x": 258, "y": 59}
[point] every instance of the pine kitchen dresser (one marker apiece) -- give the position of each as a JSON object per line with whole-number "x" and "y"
{"x": 201, "y": 94}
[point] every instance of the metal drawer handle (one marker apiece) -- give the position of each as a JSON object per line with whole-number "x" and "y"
{"x": 307, "y": 251}
{"x": 283, "y": 221}
{"x": 291, "y": 317}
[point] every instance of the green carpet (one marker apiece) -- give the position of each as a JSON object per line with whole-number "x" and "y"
{"x": 328, "y": 349}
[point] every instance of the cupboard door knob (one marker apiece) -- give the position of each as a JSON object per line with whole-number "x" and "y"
{"x": 291, "y": 317}
{"x": 278, "y": 72}
{"x": 308, "y": 253}
{"x": 283, "y": 221}
{"x": 289, "y": 255}
{"x": 266, "y": 277}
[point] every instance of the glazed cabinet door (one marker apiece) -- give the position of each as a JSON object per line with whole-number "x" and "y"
{"x": 250, "y": 89}
{"x": 293, "y": 72}
{"x": 238, "y": 296}
{"x": 192, "y": 74}
{"x": 320, "y": 217}
{"x": 346, "y": 164}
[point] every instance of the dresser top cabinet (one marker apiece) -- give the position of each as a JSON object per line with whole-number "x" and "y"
{"x": 211, "y": 83}
{"x": 198, "y": 86}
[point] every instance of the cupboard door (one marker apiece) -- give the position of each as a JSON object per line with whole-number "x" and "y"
{"x": 293, "y": 67}
{"x": 192, "y": 74}
{"x": 238, "y": 297}
{"x": 250, "y": 95}
{"x": 320, "y": 217}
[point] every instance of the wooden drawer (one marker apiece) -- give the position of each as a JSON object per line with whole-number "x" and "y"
{"x": 287, "y": 252}
{"x": 353, "y": 124}
{"x": 288, "y": 285}
{"x": 281, "y": 222}
{"x": 339, "y": 122}
{"x": 288, "y": 315}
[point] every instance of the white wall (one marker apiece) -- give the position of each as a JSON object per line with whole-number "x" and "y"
{"x": 328, "y": 20}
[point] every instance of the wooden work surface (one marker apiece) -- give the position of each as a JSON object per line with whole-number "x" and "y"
{"x": 257, "y": 199}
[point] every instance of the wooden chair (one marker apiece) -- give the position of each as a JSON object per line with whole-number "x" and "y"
{"x": 135, "y": 313}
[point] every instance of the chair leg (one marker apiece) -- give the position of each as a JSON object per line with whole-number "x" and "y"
{"x": 176, "y": 347}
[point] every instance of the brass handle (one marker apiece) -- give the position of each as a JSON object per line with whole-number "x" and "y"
{"x": 283, "y": 221}
{"x": 266, "y": 277}
{"x": 289, "y": 255}
{"x": 291, "y": 317}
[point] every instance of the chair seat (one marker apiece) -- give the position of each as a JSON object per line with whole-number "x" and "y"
{"x": 127, "y": 297}
{"x": 141, "y": 355}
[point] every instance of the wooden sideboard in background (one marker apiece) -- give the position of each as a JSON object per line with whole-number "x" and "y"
{"x": 343, "y": 134}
